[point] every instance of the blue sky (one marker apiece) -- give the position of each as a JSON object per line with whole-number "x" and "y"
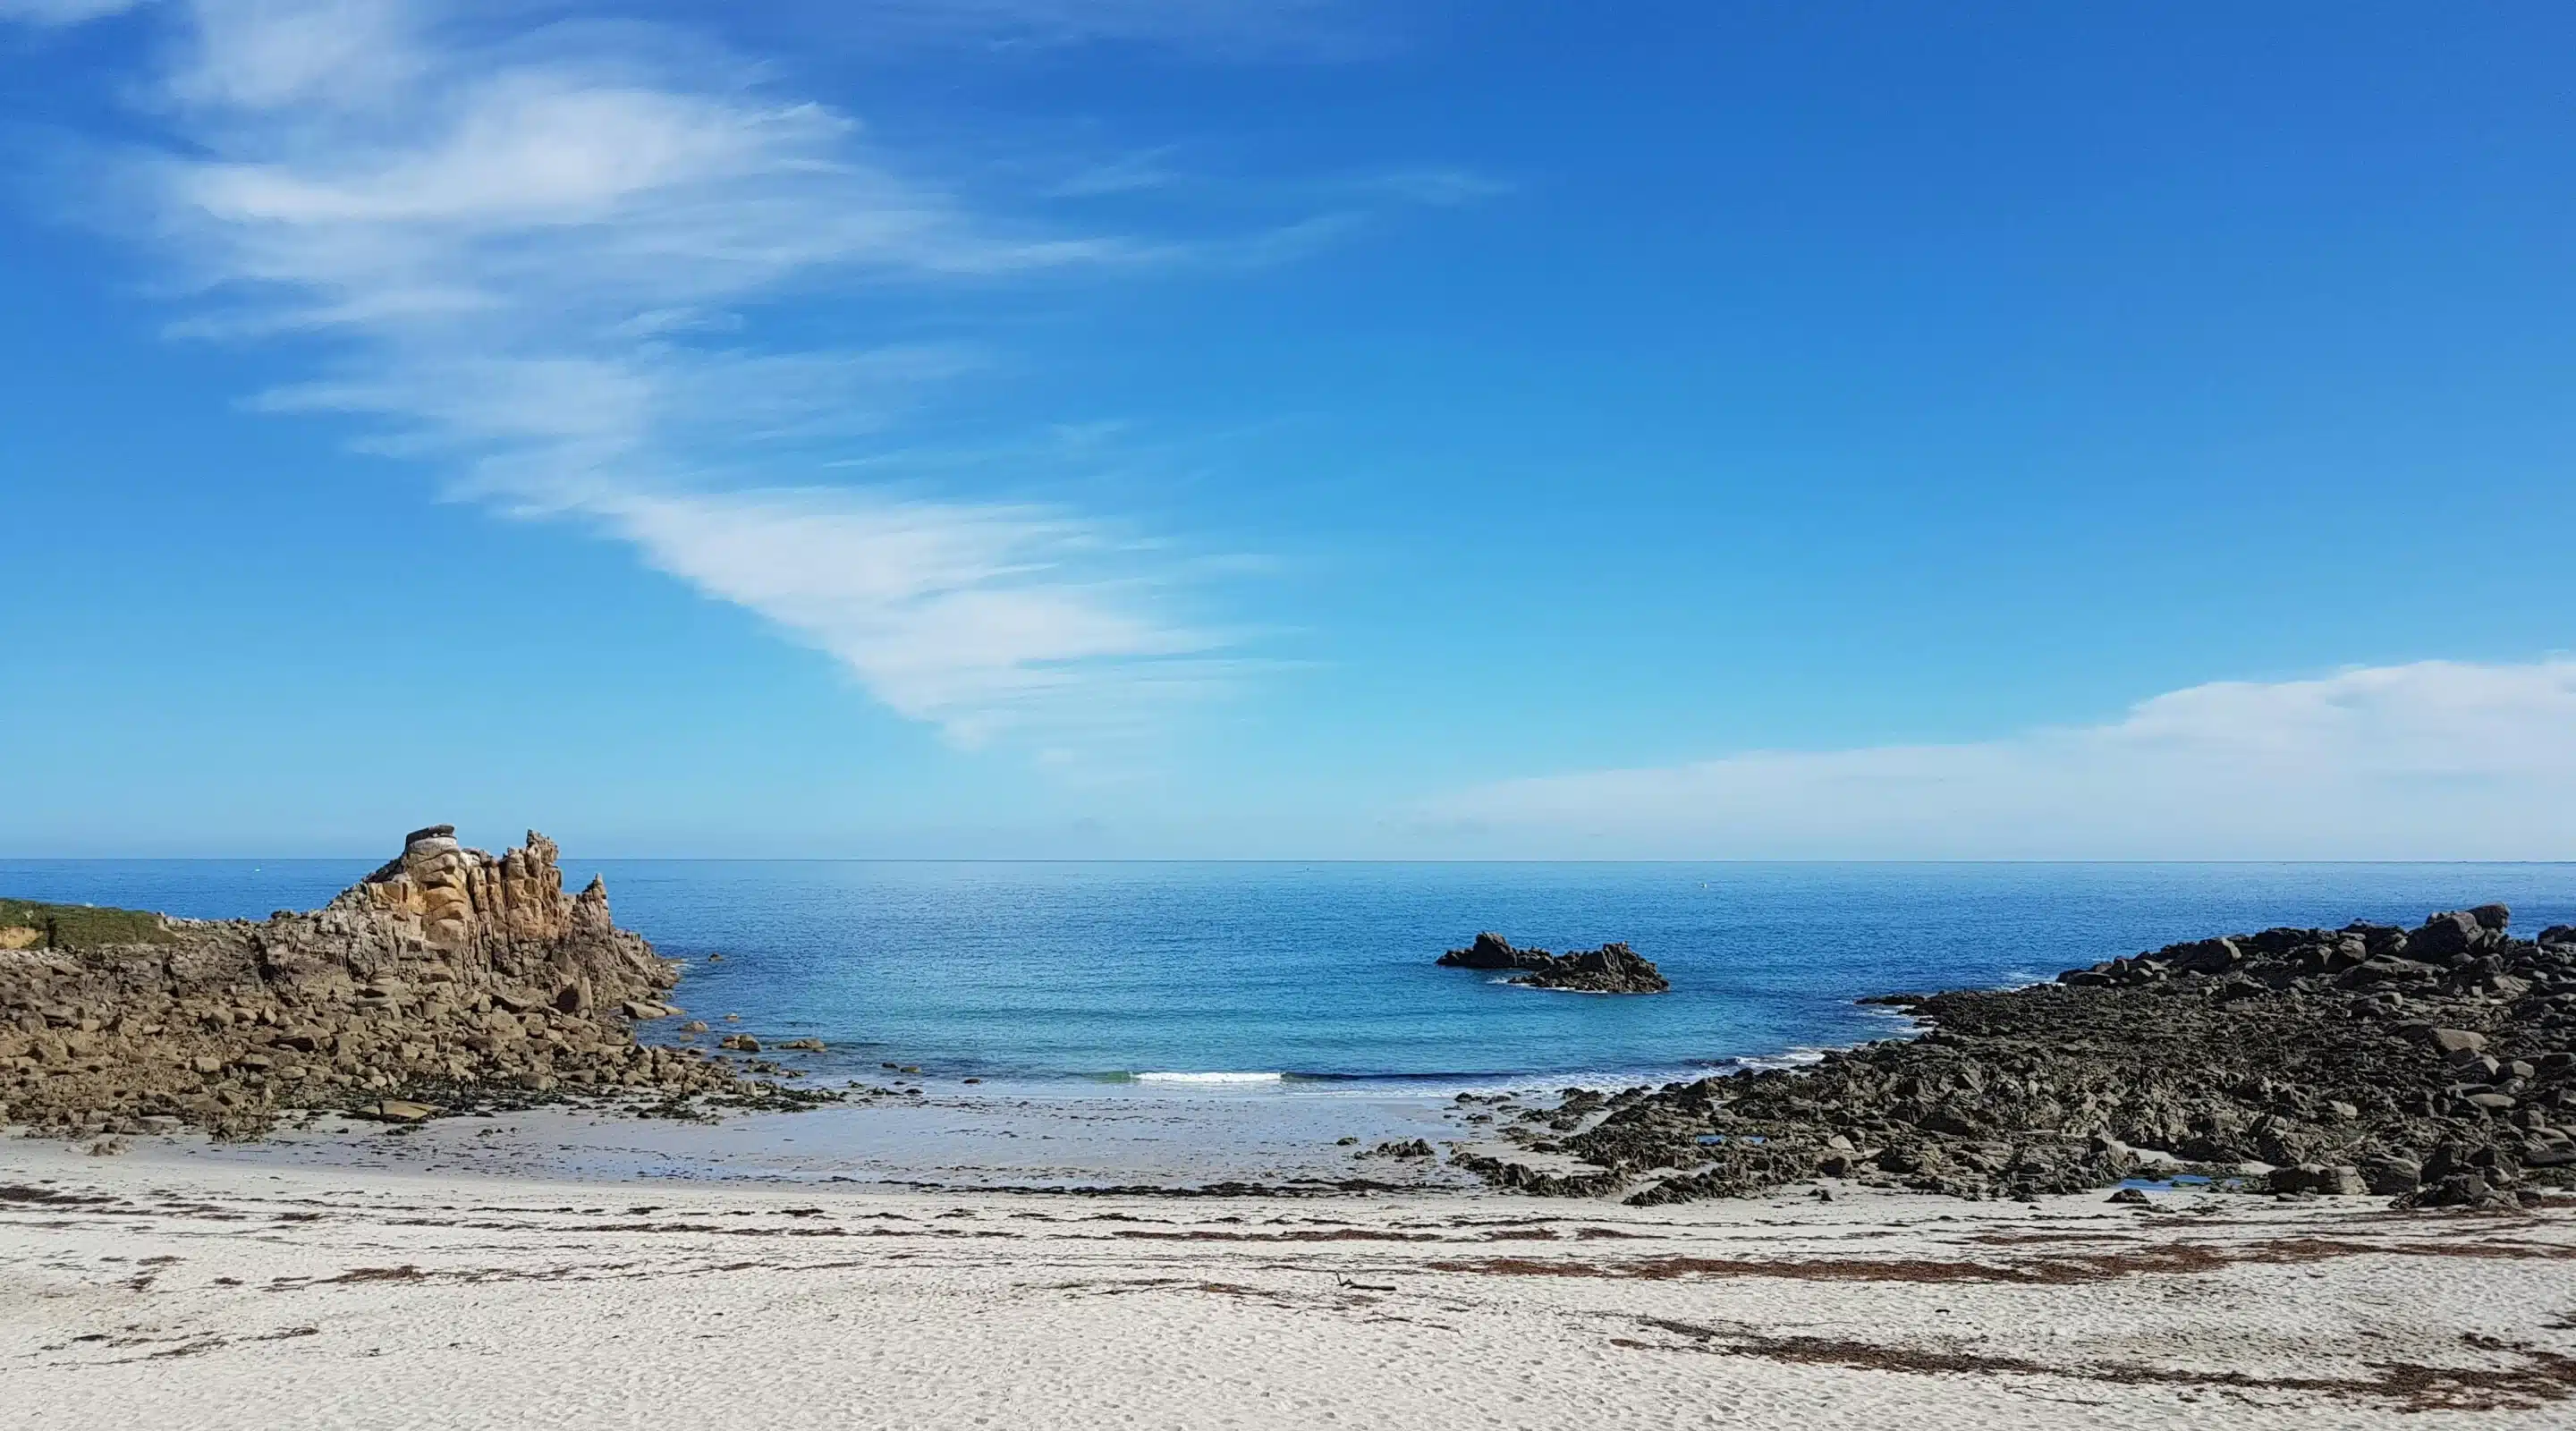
{"x": 1306, "y": 429}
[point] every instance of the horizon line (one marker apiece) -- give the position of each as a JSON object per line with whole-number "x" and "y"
{"x": 1331, "y": 860}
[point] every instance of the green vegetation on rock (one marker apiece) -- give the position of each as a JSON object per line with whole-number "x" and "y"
{"x": 25, "y": 923}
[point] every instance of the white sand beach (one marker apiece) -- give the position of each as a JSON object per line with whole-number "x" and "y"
{"x": 164, "y": 1287}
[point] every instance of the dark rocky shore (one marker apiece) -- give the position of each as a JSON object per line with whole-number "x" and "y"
{"x": 1610, "y": 969}
{"x": 2435, "y": 1066}
{"x": 449, "y": 977}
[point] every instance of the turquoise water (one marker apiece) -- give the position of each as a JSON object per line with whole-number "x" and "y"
{"x": 1099, "y": 974}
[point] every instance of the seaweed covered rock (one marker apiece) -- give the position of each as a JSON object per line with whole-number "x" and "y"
{"x": 445, "y": 972}
{"x": 1610, "y": 969}
{"x": 2436, "y": 1065}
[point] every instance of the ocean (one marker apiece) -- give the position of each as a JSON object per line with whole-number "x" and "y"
{"x": 1181, "y": 977}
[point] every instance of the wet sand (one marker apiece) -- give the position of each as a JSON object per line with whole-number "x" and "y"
{"x": 951, "y": 1140}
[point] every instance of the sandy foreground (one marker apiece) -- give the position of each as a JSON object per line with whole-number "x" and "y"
{"x": 165, "y": 1288}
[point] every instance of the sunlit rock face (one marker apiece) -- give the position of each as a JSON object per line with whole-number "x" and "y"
{"x": 448, "y": 968}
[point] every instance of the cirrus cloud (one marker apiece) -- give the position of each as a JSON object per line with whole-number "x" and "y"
{"x": 538, "y": 258}
{"x": 62, "y": 12}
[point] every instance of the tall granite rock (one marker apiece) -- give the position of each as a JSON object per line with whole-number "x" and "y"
{"x": 447, "y": 968}
{"x": 500, "y": 923}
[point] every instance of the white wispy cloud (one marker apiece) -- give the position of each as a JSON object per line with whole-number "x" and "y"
{"x": 530, "y": 255}
{"x": 2434, "y": 760}
{"x": 974, "y": 616}
{"x": 1314, "y": 29}
{"x": 62, "y": 12}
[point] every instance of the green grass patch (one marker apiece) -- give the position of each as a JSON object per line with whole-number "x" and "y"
{"x": 81, "y": 926}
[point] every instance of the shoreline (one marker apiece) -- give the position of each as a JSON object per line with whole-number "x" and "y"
{"x": 2435, "y": 1065}
{"x": 1179, "y": 1138}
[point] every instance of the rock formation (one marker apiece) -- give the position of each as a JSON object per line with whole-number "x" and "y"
{"x": 445, "y": 974}
{"x": 1610, "y": 969}
{"x": 2435, "y": 1065}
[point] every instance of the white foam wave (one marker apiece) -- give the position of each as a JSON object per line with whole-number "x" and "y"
{"x": 1798, "y": 1057}
{"x": 1172, "y": 1077}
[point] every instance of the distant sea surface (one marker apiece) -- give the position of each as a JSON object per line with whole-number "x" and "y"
{"x": 1320, "y": 976}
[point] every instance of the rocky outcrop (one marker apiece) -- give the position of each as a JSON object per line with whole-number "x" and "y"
{"x": 1610, "y": 969}
{"x": 2435, "y": 1065}
{"x": 445, "y": 975}
{"x": 501, "y": 924}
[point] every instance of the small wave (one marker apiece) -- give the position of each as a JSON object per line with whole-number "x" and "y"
{"x": 1798, "y": 1057}
{"x": 1906, "y": 1024}
{"x": 1468, "y": 1079}
{"x": 1172, "y": 1077}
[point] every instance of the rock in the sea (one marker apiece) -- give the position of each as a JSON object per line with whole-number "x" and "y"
{"x": 1610, "y": 969}
{"x": 1492, "y": 951}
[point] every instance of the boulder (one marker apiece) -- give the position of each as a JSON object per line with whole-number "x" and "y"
{"x": 2456, "y": 1190}
{"x": 2330, "y": 1180}
{"x": 2458, "y": 1045}
{"x": 2209, "y": 956}
{"x": 2390, "y": 1176}
{"x": 2548, "y": 1148}
{"x": 2457, "y": 934}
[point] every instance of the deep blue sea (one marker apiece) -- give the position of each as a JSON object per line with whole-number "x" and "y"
{"x": 1108, "y": 973}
